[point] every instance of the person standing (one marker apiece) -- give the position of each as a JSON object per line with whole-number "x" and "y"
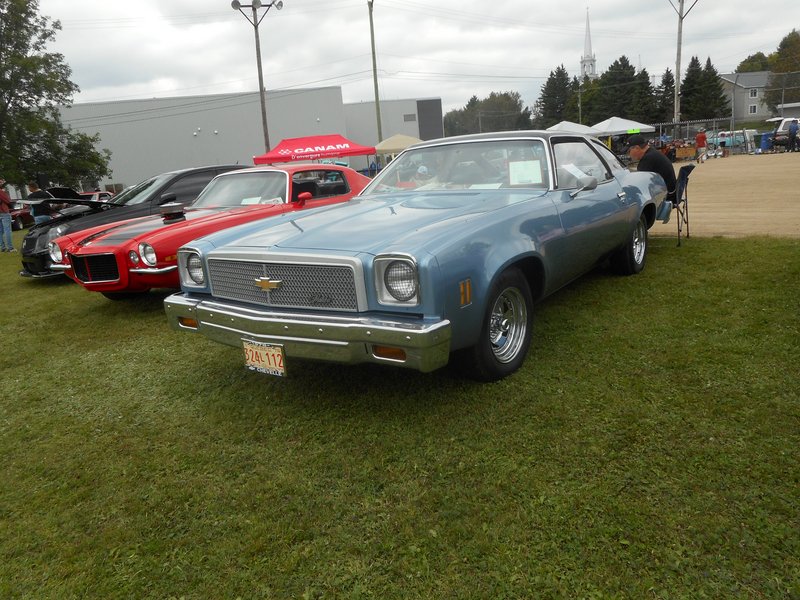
{"x": 6, "y": 243}
{"x": 652, "y": 160}
{"x": 40, "y": 212}
{"x": 700, "y": 143}
{"x": 792, "y": 145}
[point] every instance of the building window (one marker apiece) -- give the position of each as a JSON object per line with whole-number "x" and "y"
{"x": 754, "y": 92}
{"x": 752, "y": 109}
{"x": 409, "y": 118}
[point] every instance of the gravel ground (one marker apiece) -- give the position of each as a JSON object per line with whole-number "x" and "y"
{"x": 742, "y": 195}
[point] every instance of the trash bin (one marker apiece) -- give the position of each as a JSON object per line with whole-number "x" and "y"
{"x": 766, "y": 142}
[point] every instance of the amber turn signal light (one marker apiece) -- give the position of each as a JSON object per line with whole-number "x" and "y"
{"x": 389, "y": 352}
{"x": 187, "y": 322}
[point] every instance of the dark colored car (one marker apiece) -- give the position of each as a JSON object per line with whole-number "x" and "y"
{"x": 144, "y": 198}
{"x": 21, "y": 216}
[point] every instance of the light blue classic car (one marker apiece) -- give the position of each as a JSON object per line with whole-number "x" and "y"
{"x": 445, "y": 251}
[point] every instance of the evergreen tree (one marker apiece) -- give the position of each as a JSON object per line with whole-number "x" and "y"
{"x": 692, "y": 92}
{"x": 715, "y": 101}
{"x": 573, "y": 110}
{"x": 33, "y": 84}
{"x": 665, "y": 98}
{"x": 642, "y": 105}
{"x": 550, "y": 107}
{"x": 500, "y": 111}
{"x": 616, "y": 87}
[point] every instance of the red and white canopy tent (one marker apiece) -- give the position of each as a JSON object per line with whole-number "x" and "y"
{"x": 312, "y": 148}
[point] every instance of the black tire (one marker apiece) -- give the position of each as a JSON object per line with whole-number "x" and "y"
{"x": 123, "y": 295}
{"x": 630, "y": 259}
{"x": 506, "y": 331}
{"x": 16, "y": 224}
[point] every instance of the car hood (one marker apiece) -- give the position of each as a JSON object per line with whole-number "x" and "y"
{"x": 374, "y": 223}
{"x": 153, "y": 227}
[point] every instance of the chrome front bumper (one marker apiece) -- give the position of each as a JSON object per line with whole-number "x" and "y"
{"x": 348, "y": 340}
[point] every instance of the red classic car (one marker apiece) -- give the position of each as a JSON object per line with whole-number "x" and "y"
{"x": 124, "y": 259}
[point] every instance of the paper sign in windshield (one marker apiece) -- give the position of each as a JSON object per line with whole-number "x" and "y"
{"x": 525, "y": 172}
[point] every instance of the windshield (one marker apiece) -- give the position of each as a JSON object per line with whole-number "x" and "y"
{"x": 243, "y": 188}
{"x": 467, "y": 165}
{"x": 141, "y": 192}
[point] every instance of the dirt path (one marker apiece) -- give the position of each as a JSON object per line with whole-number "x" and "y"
{"x": 742, "y": 195}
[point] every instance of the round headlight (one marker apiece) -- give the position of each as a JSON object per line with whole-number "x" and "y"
{"x": 55, "y": 252}
{"x": 400, "y": 279}
{"x": 55, "y": 232}
{"x": 194, "y": 268}
{"x": 148, "y": 254}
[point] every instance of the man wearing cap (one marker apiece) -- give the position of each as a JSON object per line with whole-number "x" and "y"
{"x": 652, "y": 160}
{"x": 6, "y": 205}
{"x": 700, "y": 143}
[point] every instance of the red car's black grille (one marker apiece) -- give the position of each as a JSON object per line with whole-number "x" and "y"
{"x": 95, "y": 267}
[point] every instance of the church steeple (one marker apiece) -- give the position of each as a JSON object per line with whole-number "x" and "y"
{"x": 588, "y": 62}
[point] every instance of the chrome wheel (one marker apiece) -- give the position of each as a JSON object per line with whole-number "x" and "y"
{"x": 508, "y": 325}
{"x": 639, "y": 242}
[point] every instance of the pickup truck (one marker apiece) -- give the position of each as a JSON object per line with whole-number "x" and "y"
{"x": 780, "y": 135}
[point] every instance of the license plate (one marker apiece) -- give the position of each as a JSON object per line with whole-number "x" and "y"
{"x": 264, "y": 358}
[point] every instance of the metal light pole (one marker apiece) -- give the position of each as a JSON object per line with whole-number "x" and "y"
{"x": 681, "y": 16}
{"x": 255, "y": 22}
{"x": 375, "y": 72}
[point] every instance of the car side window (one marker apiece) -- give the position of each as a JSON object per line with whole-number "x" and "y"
{"x": 608, "y": 156}
{"x": 576, "y": 160}
{"x": 322, "y": 183}
{"x": 188, "y": 187}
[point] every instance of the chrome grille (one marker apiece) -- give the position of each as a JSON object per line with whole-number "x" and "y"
{"x": 95, "y": 267}
{"x": 329, "y": 287}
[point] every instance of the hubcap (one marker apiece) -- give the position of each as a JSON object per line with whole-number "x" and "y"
{"x": 639, "y": 243}
{"x": 508, "y": 323}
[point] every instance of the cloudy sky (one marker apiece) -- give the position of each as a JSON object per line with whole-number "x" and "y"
{"x": 450, "y": 49}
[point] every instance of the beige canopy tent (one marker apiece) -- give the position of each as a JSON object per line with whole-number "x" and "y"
{"x": 396, "y": 144}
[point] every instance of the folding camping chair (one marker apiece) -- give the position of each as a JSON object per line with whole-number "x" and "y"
{"x": 682, "y": 200}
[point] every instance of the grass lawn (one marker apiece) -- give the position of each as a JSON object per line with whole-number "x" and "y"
{"x": 647, "y": 449}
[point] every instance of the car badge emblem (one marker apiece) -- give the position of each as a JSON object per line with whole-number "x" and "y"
{"x": 267, "y": 284}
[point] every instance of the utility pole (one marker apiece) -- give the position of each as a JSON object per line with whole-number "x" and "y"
{"x": 375, "y": 72}
{"x": 255, "y": 22}
{"x": 681, "y": 16}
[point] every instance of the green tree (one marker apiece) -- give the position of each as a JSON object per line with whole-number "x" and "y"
{"x": 692, "y": 92}
{"x": 549, "y": 109}
{"x": 612, "y": 94}
{"x": 33, "y": 84}
{"x": 665, "y": 98}
{"x": 714, "y": 99}
{"x": 754, "y": 62}
{"x": 500, "y": 111}
{"x": 783, "y": 85}
{"x": 642, "y": 105}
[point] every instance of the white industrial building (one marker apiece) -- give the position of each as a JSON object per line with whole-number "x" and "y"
{"x": 152, "y": 136}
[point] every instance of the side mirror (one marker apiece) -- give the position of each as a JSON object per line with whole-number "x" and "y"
{"x": 303, "y": 196}
{"x": 587, "y": 184}
{"x": 165, "y": 198}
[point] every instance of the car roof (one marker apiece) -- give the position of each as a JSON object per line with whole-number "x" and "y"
{"x": 294, "y": 168}
{"x": 500, "y": 135}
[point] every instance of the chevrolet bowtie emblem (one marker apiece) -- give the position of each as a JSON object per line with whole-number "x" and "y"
{"x": 266, "y": 284}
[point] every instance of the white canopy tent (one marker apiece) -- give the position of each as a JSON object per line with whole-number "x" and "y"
{"x": 396, "y": 144}
{"x": 617, "y": 126}
{"x": 569, "y": 126}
